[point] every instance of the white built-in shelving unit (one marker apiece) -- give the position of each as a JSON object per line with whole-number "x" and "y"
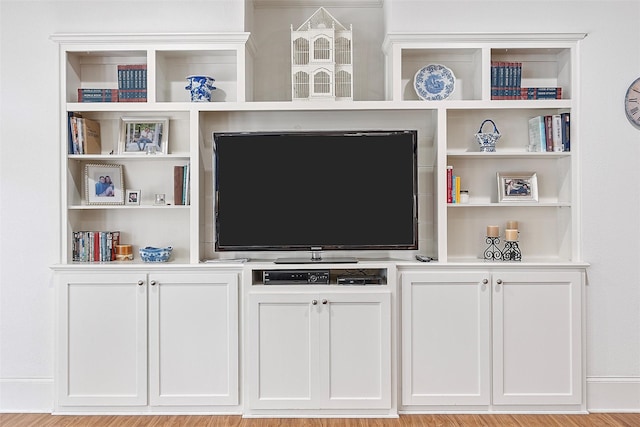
{"x": 550, "y": 236}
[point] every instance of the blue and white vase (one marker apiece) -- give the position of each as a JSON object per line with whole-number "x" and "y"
{"x": 200, "y": 87}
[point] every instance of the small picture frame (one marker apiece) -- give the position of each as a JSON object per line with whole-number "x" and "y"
{"x": 133, "y": 197}
{"x": 160, "y": 199}
{"x": 104, "y": 184}
{"x": 517, "y": 187}
{"x": 144, "y": 135}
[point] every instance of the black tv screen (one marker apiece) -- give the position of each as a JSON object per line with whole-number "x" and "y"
{"x": 316, "y": 190}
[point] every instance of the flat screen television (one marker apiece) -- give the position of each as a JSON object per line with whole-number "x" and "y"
{"x": 315, "y": 191}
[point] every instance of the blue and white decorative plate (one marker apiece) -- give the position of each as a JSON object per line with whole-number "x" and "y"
{"x": 434, "y": 82}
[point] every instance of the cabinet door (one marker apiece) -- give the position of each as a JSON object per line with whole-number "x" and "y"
{"x": 537, "y": 318}
{"x": 193, "y": 338}
{"x": 445, "y": 338}
{"x": 102, "y": 339}
{"x": 355, "y": 349}
{"x": 283, "y": 351}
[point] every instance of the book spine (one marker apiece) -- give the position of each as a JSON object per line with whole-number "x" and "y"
{"x": 116, "y": 241}
{"x": 566, "y": 131}
{"x": 449, "y": 183}
{"x": 548, "y": 133}
{"x": 457, "y": 189}
{"x": 556, "y": 126}
{"x": 518, "y": 80}
{"x": 494, "y": 79}
{"x": 177, "y": 185}
{"x": 501, "y": 79}
{"x": 96, "y": 246}
{"x": 185, "y": 185}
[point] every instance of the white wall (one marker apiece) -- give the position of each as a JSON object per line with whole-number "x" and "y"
{"x": 29, "y": 211}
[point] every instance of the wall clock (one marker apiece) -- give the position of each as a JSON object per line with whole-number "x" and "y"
{"x": 632, "y": 103}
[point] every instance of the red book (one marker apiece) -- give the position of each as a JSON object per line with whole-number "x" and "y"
{"x": 449, "y": 183}
{"x": 548, "y": 127}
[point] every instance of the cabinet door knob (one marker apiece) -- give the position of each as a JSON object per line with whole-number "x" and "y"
{"x": 485, "y": 281}
{"x": 153, "y": 283}
{"x": 499, "y": 281}
{"x": 140, "y": 282}
{"x": 324, "y": 301}
{"x": 314, "y": 302}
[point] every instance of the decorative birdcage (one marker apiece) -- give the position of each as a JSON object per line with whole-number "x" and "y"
{"x": 321, "y": 59}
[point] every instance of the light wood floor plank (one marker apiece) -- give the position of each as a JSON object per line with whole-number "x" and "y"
{"x": 426, "y": 420}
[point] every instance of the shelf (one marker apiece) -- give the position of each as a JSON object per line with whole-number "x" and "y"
{"x": 510, "y": 205}
{"x": 446, "y": 130}
{"x": 507, "y": 154}
{"x": 141, "y": 156}
{"x": 132, "y": 207}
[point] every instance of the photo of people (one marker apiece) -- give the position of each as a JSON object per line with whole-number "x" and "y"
{"x": 133, "y": 197}
{"x": 104, "y": 184}
{"x": 143, "y": 135}
{"x": 517, "y": 187}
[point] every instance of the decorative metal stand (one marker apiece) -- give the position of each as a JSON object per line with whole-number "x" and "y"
{"x": 492, "y": 253}
{"x": 511, "y": 251}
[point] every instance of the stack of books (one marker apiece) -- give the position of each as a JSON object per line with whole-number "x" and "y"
{"x": 94, "y": 246}
{"x": 550, "y": 133}
{"x": 84, "y": 135}
{"x": 132, "y": 87}
{"x": 453, "y": 186}
{"x": 97, "y": 95}
{"x": 506, "y": 83}
{"x": 132, "y": 83}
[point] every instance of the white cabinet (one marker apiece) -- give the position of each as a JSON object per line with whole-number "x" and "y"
{"x": 446, "y": 338}
{"x": 102, "y": 339}
{"x": 193, "y": 339}
{"x": 524, "y": 327}
{"x": 121, "y": 330}
{"x": 537, "y": 337}
{"x": 319, "y": 350}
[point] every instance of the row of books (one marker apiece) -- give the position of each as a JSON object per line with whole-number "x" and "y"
{"x": 453, "y": 186}
{"x": 132, "y": 83}
{"x": 506, "y": 83}
{"x": 84, "y": 135}
{"x": 181, "y": 184}
{"x": 94, "y": 246}
{"x": 132, "y": 87}
{"x": 550, "y": 133}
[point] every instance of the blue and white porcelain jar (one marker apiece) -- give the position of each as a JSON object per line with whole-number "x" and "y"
{"x": 201, "y": 88}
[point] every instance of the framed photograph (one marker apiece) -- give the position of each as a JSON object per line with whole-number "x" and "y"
{"x": 517, "y": 187}
{"x": 144, "y": 135}
{"x": 104, "y": 184}
{"x": 132, "y": 197}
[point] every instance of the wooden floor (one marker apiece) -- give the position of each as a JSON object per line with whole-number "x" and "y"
{"x": 591, "y": 420}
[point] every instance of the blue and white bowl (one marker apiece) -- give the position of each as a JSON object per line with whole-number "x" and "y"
{"x": 151, "y": 254}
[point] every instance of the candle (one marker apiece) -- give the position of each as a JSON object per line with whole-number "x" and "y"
{"x": 511, "y": 235}
{"x": 493, "y": 231}
{"x": 512, "y": 225}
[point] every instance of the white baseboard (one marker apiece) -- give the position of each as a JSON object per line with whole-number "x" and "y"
{"x": 613, "y": 394}
{"x": 604, "y": 394}
{"x": 26, "y": 395}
